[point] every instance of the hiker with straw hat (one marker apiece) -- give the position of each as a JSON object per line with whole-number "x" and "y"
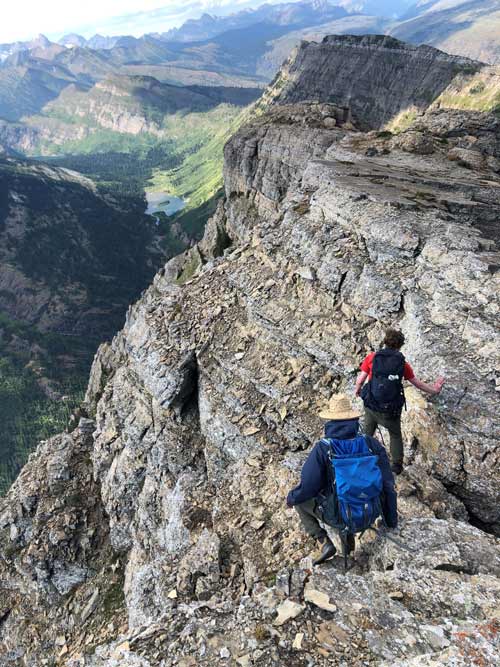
{"x": 339, "y": 408}
{"x": 341, "y": 429}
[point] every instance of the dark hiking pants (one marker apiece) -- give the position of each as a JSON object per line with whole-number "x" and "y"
{"x": 310, "y": 519}
{"x": 393, "y": 425}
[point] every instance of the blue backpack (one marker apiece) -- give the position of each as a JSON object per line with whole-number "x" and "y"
{"x": 353, "y": 502}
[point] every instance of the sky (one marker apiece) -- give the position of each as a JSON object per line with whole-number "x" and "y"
{"x": 24, "y": 19}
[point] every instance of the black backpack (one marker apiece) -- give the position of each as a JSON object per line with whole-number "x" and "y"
{"x": 384, "y": 392}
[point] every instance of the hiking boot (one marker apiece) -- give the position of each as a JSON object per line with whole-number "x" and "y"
{"x": 397, "y": 468}
{"x": 328, "y": 550}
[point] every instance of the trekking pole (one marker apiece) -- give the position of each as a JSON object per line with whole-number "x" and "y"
{"x": 461, "y": 397}
{"x": 381, "y": 436}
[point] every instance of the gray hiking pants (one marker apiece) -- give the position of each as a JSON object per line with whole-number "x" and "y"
{"x": 393, "y": 425}
{"x": 309, "y": 518}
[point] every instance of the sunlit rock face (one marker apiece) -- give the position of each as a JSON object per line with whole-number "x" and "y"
{"x": 205, "y": 406}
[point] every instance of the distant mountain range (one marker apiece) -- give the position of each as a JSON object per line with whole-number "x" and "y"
{"x": 244, "y": 48}
{"x": 288, "y": 14}
{"x": 95, "y": 42}
{"x": 465, "y": 27}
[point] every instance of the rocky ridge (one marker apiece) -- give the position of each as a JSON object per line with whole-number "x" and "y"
{"x": 155, "y": 533}
{"x": 376, "y": 76}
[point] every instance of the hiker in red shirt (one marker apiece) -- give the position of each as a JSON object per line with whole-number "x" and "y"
{"x": 383, "y": 394}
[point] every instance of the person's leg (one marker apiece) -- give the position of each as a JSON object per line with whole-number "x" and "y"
{"x": 309, "y": 519}
{"x": 393, "y": 425}
{"x": 312, "y": 526}
{"x": 369, "y": 422}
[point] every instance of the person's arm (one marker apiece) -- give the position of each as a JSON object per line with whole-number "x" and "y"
{"x": 313, "y": 478}
{"x": 360, "y": 382}
{"x": 432, "y": 389}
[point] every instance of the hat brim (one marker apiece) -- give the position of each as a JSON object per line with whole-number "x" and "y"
{"x": 351, "y": 414}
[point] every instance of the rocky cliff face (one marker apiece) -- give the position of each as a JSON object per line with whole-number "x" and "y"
{"x": 376, "y": 76}
{"x": 156, "y": 532}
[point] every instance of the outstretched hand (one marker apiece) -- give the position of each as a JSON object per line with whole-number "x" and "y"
{"x": 438, "y": 385}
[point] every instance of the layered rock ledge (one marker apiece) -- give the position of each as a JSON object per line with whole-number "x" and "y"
{"x": 156, "y": 532}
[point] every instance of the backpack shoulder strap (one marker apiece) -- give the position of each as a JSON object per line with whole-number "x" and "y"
{"x": 377, "y": 359}
{"x": 329, "y": 444}
{"x": 368, "y": 441}
{"x": 403, "y": 362}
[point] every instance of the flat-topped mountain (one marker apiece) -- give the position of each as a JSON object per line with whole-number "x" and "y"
{"x": 376, "y": 76}
{"x": 120, "y": 107}
{"x": 143, "y": 98}
{"x": 156, "y": 533}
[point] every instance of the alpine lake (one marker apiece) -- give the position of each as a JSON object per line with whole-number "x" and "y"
{"x": 163, "y": 202}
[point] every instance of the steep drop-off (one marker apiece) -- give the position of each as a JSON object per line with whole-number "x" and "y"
{"x": 69, "y": 254}
{"x": 71, "y": 260}
{"x": 156, "y": 532}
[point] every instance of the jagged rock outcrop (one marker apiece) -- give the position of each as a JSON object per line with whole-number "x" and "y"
{"x": 205, "y": 405}
{"x": 397, "y": 237}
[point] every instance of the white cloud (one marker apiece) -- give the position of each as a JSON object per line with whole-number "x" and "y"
{"x": 24, "y": 19}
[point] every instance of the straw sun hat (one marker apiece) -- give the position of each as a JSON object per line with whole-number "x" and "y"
{"x": 339, "y": 407}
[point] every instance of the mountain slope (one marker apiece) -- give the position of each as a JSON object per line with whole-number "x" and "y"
{"x": 385, "y": 8}
{"x": 59, "y": 238}
{"x": 467, "y": 28}
{"x": 157, "y": 533}
{"x": 27, "y": 84}
{"x": 160, "y": 124}
{"x": 141, "y": 99}
{"x": 71, "y": 260}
